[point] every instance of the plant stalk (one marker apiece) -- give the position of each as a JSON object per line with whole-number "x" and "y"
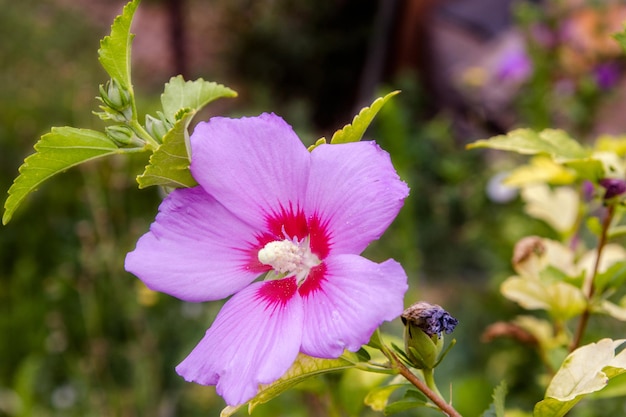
{"x": 589, "y": 288}
{"x": 435, "y": 397}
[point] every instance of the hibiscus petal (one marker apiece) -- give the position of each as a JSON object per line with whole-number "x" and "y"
{"x": 346, "y": 299}
{"x": 255, "y": 166}
{"x": 195, "y": 249}
{"x": 355, "y": 192}
{"x": 254, "y": 340}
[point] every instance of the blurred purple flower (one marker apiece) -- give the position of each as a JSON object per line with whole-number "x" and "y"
{"x": 267, "y": 205}
{"x": 588, "y": 190}
{"x": 613, "y": 186}
{"x": 606, "y": 74}
{"x": 514, "y": 65}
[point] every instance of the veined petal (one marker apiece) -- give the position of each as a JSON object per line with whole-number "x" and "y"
{"x": 255, "y": 166}
{"x": 355, "y": 192}
{"x": 254, "y": 340}
{"x": 196, "y": 250}
{"x": 345, "y": 299}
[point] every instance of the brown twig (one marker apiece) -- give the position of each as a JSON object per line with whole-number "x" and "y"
{"x": 421, "y": 385}
{"x": 589, "y": 284}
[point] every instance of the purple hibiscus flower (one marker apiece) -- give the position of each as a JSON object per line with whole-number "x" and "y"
{"x": 266, "y": 205}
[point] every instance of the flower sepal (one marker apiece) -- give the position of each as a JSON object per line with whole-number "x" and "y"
{"x": 424, "y": 325}
{"x": 421, "y": 349}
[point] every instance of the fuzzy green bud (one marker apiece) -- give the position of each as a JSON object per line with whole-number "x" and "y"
{"x": 424, "y": 325}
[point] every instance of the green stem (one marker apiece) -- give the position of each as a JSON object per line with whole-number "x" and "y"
{"x": 589, "y": 283}
{"x": 142, "y": 133}
{"x": 429, "y": 378}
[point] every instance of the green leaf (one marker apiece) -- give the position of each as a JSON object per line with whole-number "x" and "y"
{"x": 560, "y": 299}
{"x": 585, "y": 370}
{"x": 354, "y": 132}
{"x": 114, "y": 52}
{"x": 616, "y": 311}
{"x": 303, "y": 368}
{"x": 62, "y": 148}
{"x": 181, "y": 100}
{"x": 404, "y": 405}
{"x": 613, "y": 278}
{"x": 553, "y": 142}
{"x": 587, "y": 168}
{"x": 378, "y": 398}
{"x": 540, "y": 169}
{"x": 169, "y": 164}
{"x": 496, "y": 409}
{"x": 180, "y": 94}
{"x": 621, "y": 38}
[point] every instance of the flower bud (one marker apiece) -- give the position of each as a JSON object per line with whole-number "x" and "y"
{"x": 424, "y": 325}
{"x": 117, "y": 100}
{"x": 614, "y": 187}
{"x": 157, "y": 127}
{"x": 123, "y": 136}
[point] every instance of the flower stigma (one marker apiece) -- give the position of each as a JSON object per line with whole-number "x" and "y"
{"x": 289, "y": 257}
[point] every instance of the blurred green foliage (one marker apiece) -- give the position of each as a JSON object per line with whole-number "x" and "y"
{"x": 81, "y": 337}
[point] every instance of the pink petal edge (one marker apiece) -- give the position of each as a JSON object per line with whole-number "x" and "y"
{"x": 254, "y": 340}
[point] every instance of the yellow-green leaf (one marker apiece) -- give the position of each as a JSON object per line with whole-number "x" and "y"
{"x": 303, "y": 368}
{"x": 354, "y": 132}
{"x": 540, "y": 169}
{"x": 378, "y": 398}
{"x": 169, "y": 164}
{"x": 114, "y": 52}
{"x": 62, "y": 148}
{"x": 585, "y": 370}
{"x": 560, "y": 299}
{"x": 556, "y": 143}
{"x": 180, "y": 94}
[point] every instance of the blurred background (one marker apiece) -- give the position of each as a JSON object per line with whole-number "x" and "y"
{"x": 81, "y": 337}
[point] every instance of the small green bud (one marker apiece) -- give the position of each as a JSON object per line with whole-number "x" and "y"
{"x": 157, "y": 127}
{"x": 117, "y": 100}
{"x": 123, "y": 136}
{"x": 424, "y": 325}
{"x": 108, "y": 114}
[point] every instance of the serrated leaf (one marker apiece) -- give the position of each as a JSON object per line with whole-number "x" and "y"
{"x": 354, "y": 132}
{"x": 585, "y": 370}
{"x": 320, "y": 141}
{"x": 180, "y": 94}
{"x": 169, "y": 164}
{"x": 496, "y": 409}
{"x": 62, "y": 148}
{"x": 114, "y": 52}
{"x": 556, "y": 143}
{"x": 303, "y": 368}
